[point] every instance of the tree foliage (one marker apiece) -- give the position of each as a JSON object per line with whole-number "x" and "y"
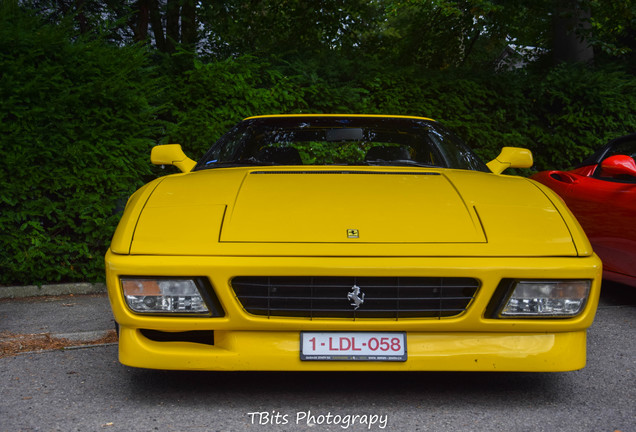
{"x": 434, "y": 34}
{"x": 87, "y": 87}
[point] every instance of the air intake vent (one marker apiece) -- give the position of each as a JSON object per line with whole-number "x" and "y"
{"x": 398, "y": 173}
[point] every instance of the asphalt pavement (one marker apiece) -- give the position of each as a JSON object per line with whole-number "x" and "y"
{"x": 80, "y": 314}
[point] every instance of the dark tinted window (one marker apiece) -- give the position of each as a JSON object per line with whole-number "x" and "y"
{"x": 624, "y": 147}
{"x": 310, "y": 140}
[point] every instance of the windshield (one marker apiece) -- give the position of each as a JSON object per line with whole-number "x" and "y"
{"x": 315, "y": 140}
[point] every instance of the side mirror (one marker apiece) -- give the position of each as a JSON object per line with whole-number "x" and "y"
{"x": 171, "y": 154}
{"x": 511, "y": 157}
{"x": 618, "y": 165}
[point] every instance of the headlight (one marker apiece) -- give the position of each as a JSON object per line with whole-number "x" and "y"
{"x": 154, "y": 295}
{"x": 550, "y": 298}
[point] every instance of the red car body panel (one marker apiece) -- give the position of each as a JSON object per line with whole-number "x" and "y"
{"x": 605, "y": 205}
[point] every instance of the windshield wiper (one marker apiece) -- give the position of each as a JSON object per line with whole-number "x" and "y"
{"x": 237, "y": 163}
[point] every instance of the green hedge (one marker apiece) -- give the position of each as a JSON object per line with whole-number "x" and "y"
{"x": 562, "y": 115}
{"x": 204, "y": 102}
{"x": 75, "y": 131}
{"x": 577, "y": 110}
{"x": 78, "y": 118}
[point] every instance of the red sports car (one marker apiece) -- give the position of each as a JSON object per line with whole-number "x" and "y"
{"x": 601, "y": 192}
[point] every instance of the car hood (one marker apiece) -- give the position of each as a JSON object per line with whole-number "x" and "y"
{"x": 338, "y": 212}
{"x": 340, "y": 206}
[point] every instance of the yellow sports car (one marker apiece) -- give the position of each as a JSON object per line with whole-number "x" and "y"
{"x": 349, "y": 242}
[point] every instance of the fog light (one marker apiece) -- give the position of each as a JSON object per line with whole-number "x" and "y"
{"x": 561, "y": 298}
{"x": 178, "y": 296}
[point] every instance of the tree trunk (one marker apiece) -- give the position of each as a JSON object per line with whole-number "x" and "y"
{"x": 570, "y": 24}
{"x": 141, "y": 27}
{"x": 157, "y": 27}
{"x": 81, "y": 16}
{"x": 172, "y": 25}
{"x": 189, "y": 25}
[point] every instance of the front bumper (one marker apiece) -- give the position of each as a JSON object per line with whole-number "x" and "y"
{"x": 471, "y": 341}
{"x": 278, "y": 351}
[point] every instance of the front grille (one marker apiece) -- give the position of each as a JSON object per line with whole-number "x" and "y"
{"x": 327, "y": 297}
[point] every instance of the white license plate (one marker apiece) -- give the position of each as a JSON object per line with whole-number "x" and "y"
{"x": 353, "y": 346}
